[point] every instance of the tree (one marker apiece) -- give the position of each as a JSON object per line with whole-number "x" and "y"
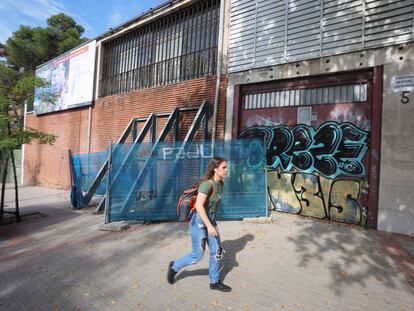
{"x": 26, "y": 49}
{"x": 2, "y": 50}
{"x": 16, "y": 87}
{"x": 30, "y": 47}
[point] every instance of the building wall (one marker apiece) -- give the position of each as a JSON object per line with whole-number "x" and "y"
{"x": 49, "y": 165}
{"x": 396, "y": 196}
{"x": 336, "y": 63}
{"x": 395, "y": 208}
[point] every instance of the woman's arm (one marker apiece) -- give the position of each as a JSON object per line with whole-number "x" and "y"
{"x": 200, "y": 201}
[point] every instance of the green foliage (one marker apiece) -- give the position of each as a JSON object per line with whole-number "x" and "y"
{"x": 60, "y": 23}
{"x": 30, "y": 47}
{"x": 26, "y": 49}
{"x": 2, "y": 50}
{"x": 16, "y": 88}
{"x": 19, "y": 136}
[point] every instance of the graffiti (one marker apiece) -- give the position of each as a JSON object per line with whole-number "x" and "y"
{"x": 196, "y": 151}
{"x": 341, "y": 114}
{"x": 331, "y": 150}
{"x": 317, "y": 196}
{"x": 265, "y": 120}
{"x": 307, "y": 168}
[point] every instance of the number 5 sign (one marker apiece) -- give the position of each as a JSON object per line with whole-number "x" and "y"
{"x": 404, "y": 97}
{"x": 403, "y": 84}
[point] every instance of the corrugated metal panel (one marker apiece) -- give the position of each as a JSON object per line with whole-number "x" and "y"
{"x": 342, "y": 26}
{"x": 270, "y": 36}
{"x": 388, "y": 22}
{"x": 269, "y": 32}
{"x": 303, "y": 28}
{"x": 242, "y": 34}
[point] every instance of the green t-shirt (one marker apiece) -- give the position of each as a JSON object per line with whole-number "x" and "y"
{"x": 211, "y": 203}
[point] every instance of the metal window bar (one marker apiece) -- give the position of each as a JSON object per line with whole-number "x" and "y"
{"x": 309, "y": 96}
{"x": 178, "y": 47}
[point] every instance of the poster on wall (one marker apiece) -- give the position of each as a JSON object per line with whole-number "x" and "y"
{"x": 71, "y": 78}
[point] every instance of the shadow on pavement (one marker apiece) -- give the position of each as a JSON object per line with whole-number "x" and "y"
{"x": 232, "y": 247}
{"x": 352, "y": 255}
{"x": 46, "y": 216}
{"x": 184, "y": 274}
{"x": 89, "y": 272}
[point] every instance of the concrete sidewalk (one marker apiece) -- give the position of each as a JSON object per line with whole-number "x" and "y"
{"x": 63, "y": 262}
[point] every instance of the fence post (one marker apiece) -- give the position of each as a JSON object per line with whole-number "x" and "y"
{"x": 70, "y": 168}
{"x": 266, "y": 181}
{"x": 108, "y": 181}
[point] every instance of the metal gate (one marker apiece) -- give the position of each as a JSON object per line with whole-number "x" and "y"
{"x": 317, "y": 133}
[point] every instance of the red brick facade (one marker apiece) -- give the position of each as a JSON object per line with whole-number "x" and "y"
{"x": 49, "y": 165}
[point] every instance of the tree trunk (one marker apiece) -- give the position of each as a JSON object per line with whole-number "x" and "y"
{"x": 3, "y": 186}
{"x": 16, "y": 188}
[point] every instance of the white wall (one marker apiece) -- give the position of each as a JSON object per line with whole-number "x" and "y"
{"x": 396, "y": 192}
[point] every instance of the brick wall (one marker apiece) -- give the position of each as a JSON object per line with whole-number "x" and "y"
{"x": 49, "y": 165}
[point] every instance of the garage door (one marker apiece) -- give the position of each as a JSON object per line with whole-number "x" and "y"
{"x": 317, "y": 135}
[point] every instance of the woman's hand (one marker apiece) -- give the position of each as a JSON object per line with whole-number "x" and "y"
{"x": 212, "y": 231}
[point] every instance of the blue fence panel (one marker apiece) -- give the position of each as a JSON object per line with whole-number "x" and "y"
{"x": 147, "y": 179}
{"x": 85, "y": 168}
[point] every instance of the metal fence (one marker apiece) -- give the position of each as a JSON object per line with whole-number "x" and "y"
{"x": 85, "y": 167}
{"x": 147, "y": 186}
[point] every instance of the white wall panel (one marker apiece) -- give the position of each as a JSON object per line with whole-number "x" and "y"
{"x": 271, "y": 32}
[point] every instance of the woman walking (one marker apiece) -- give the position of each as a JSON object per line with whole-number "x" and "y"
{"x": 203, "y": 226}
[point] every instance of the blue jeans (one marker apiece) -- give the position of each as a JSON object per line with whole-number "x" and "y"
{"x": 199, "y": 238}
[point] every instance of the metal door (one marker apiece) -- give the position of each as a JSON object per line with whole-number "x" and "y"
{"x": 317, "y": 132}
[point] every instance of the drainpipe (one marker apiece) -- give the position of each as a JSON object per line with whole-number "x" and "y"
{"x": 218, "y": 70}
{"x": 89, "y": 128}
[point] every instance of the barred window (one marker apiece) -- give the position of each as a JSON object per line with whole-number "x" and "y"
{"x": 181, "y": 46}
{"x": 310, "y": 96}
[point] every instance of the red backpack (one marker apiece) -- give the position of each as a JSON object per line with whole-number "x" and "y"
{"x": 186, "y": 202}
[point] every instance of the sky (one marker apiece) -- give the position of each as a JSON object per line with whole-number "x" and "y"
{"x": 96, "y": 16}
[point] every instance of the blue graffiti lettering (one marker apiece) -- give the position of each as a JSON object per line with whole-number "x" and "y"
{"x": 334, "y": 149}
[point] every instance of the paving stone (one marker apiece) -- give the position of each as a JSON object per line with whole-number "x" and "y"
{"x": 63, "y": 262}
